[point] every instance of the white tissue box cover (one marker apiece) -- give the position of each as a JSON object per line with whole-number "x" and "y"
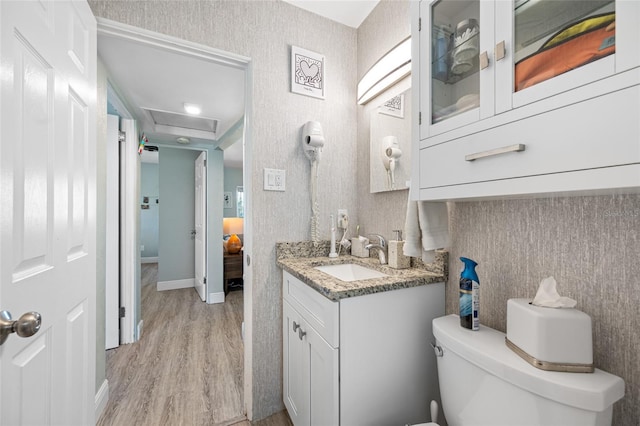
{"x": 561, "y": 335}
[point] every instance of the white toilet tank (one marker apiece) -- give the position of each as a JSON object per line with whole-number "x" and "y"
{"x": 482, "y": 382}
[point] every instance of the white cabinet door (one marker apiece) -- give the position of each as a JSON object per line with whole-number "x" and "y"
{"x": 323, "y": 378}
{"x": 295, "y": 367}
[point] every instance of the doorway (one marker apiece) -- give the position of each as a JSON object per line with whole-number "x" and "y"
{"x": 192, "y": 57}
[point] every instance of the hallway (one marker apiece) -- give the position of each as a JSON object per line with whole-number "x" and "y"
{"x": 187, "y": 368}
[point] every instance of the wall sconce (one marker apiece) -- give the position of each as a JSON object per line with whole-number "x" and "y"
{"x": 390, "y": 69}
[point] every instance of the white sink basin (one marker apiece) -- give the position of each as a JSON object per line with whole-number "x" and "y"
{"x": 350, "y": 272}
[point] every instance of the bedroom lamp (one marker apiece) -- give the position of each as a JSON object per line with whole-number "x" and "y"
{"x": 233, "y": 226}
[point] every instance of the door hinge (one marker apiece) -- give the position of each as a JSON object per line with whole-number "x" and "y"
{"x": 420, "y": 117}
{"x": 204, "y": 280}
{"x": 121, "y": 136}
{"x": 122, "y": 310}
{"x": 419, "y": 24}
{"x": 205, "y": 162}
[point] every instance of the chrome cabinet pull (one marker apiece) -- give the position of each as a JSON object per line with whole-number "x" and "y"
{"x": 296, "y": 326}
{"x": 500, "y": 51}
{"x": 484, "y": 60}
{"x": 511, "y": 148}
{"x": 301, "y": 333}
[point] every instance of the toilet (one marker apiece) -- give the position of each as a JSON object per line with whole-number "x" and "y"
{"x": 483, "y": 382}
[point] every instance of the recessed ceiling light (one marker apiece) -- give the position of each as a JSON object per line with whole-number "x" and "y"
{"x": 183, "y": 140}
{"x": 192, "y": 109}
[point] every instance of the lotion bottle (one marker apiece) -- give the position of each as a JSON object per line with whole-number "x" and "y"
{"x": 469, "y": 295}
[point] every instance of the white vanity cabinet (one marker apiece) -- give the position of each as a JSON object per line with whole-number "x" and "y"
{"x": 360, "y": 360}
{"x": 524, "y": 97}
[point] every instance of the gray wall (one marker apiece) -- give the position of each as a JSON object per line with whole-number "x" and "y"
{"x": 589, "y": 244}
{"x": 149, "y": 218}
{"x": 176, "y": 175}
{"x": 264, "y": 31}
{"x": 232, "y": 179}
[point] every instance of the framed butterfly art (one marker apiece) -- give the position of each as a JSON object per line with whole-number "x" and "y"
{"x": 307, "y": 72}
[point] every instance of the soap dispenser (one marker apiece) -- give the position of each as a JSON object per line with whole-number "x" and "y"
{"x": 397, "y": 259}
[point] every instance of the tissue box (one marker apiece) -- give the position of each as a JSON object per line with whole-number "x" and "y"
{"x": 357, "y": 247}
{"x": 558, "y": 339}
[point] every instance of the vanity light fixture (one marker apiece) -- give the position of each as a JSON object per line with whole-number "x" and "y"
{"x": 390, "y": 69}
{"x": 192, "y": 109}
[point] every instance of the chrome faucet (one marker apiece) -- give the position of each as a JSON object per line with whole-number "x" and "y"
{"x": 381, "y": 246}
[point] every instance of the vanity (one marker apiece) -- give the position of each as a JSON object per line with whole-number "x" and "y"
{"x": 358, "y": 352}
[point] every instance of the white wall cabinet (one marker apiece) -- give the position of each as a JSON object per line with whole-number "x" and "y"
{"x": 503, "y": 112}
{"x": 363, "y": 360}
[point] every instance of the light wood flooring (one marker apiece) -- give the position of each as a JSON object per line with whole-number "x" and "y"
{"x": 187, "y": 369}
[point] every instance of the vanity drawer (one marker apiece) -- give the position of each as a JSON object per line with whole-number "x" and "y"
{"x": 321, "y": 313}
{"x": 607, "y": 135}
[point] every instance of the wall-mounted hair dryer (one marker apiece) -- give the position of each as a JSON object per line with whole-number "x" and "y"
{"x": 391, "y": 154}
{"x": 312, "y": 140}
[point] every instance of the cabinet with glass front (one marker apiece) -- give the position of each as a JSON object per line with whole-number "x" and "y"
{"x": 487, "y": 66}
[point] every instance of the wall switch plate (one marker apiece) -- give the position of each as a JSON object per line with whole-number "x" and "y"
{"x": 343, "y": 219}
{"x": 274, "y": 180}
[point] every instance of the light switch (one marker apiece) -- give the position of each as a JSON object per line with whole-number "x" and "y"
{"x": 274, "y": 180}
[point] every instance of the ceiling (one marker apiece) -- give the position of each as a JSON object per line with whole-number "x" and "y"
{"x": 348, "y": 12}
{"x": 152, "y": 84}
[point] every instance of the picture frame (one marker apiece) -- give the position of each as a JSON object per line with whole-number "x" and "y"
{"x": 308, "y": 72}
{"x": 227, "y": 200}
{"x": 393, "y": 107}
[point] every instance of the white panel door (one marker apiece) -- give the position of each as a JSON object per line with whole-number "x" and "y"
{"x": 201, "y": 225}
{"x": 47, "y": 210}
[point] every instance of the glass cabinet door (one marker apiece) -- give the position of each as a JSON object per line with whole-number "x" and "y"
{"x": 552, "y": 37}
{"x": 454, "y": 66}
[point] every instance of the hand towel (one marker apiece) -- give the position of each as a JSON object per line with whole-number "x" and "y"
{"x": 426, "y": 229}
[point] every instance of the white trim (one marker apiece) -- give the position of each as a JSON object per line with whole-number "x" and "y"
{"x": 129, "y": 229}
{"x": 112, "y": 236}
{"x": 176, "y": 284}
{"x": 140, "y": 325}
{"x": 215, "y": 297}
{"x": 101, "y": 399}
{"x": 150, "y": 259}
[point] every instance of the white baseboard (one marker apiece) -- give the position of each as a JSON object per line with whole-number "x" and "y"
{"x": 140, "y": 324}
{"x": 176, "y": 284}
{"x": 102, "y": 397}
{"x": 215, "y": 298}
{"x": 149, "y": 259}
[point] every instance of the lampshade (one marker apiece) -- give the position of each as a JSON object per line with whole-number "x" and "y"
{"x": 232, "y": 225}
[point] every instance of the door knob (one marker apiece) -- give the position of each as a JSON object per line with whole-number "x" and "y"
{"x": 26, "y": 326}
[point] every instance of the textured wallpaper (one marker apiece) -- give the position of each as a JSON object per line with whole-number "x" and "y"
{"x": 264, "y": 31}
{"x": 591, "y": 245}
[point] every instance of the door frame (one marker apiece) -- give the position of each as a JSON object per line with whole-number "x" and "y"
{"x": 184, "y": 47}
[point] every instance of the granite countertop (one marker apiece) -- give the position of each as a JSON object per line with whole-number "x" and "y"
{"x": 291, "y": 258}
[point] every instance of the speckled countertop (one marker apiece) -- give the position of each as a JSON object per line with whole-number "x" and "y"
{"x": 300, "y": 259}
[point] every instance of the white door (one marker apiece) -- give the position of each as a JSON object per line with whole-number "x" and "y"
{"x": 201, "y": 225}
{"x": 47, "y": 210}
{"x": 112, "y": 250}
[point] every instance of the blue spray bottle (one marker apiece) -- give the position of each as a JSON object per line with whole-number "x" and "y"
{"x": 469, "y": 295}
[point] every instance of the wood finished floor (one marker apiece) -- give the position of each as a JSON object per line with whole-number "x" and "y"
{"x": 187, "y": 369}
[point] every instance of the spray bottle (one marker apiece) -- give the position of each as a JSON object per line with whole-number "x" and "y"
{"x": 469, "y": 295}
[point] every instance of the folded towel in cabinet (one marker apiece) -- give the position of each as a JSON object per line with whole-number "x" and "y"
{"x": 426, "y": 229}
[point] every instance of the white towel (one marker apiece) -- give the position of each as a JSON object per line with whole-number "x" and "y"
{"x": 426, "y": 229}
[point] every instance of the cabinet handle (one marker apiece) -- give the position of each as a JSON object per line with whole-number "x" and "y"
{"x": 484, "y": 60}
{"x": 500, "y": 51}
{"x": 296, "y": 326}
{"x": 301, "y": 333}
{"x": 511, "y": 148}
